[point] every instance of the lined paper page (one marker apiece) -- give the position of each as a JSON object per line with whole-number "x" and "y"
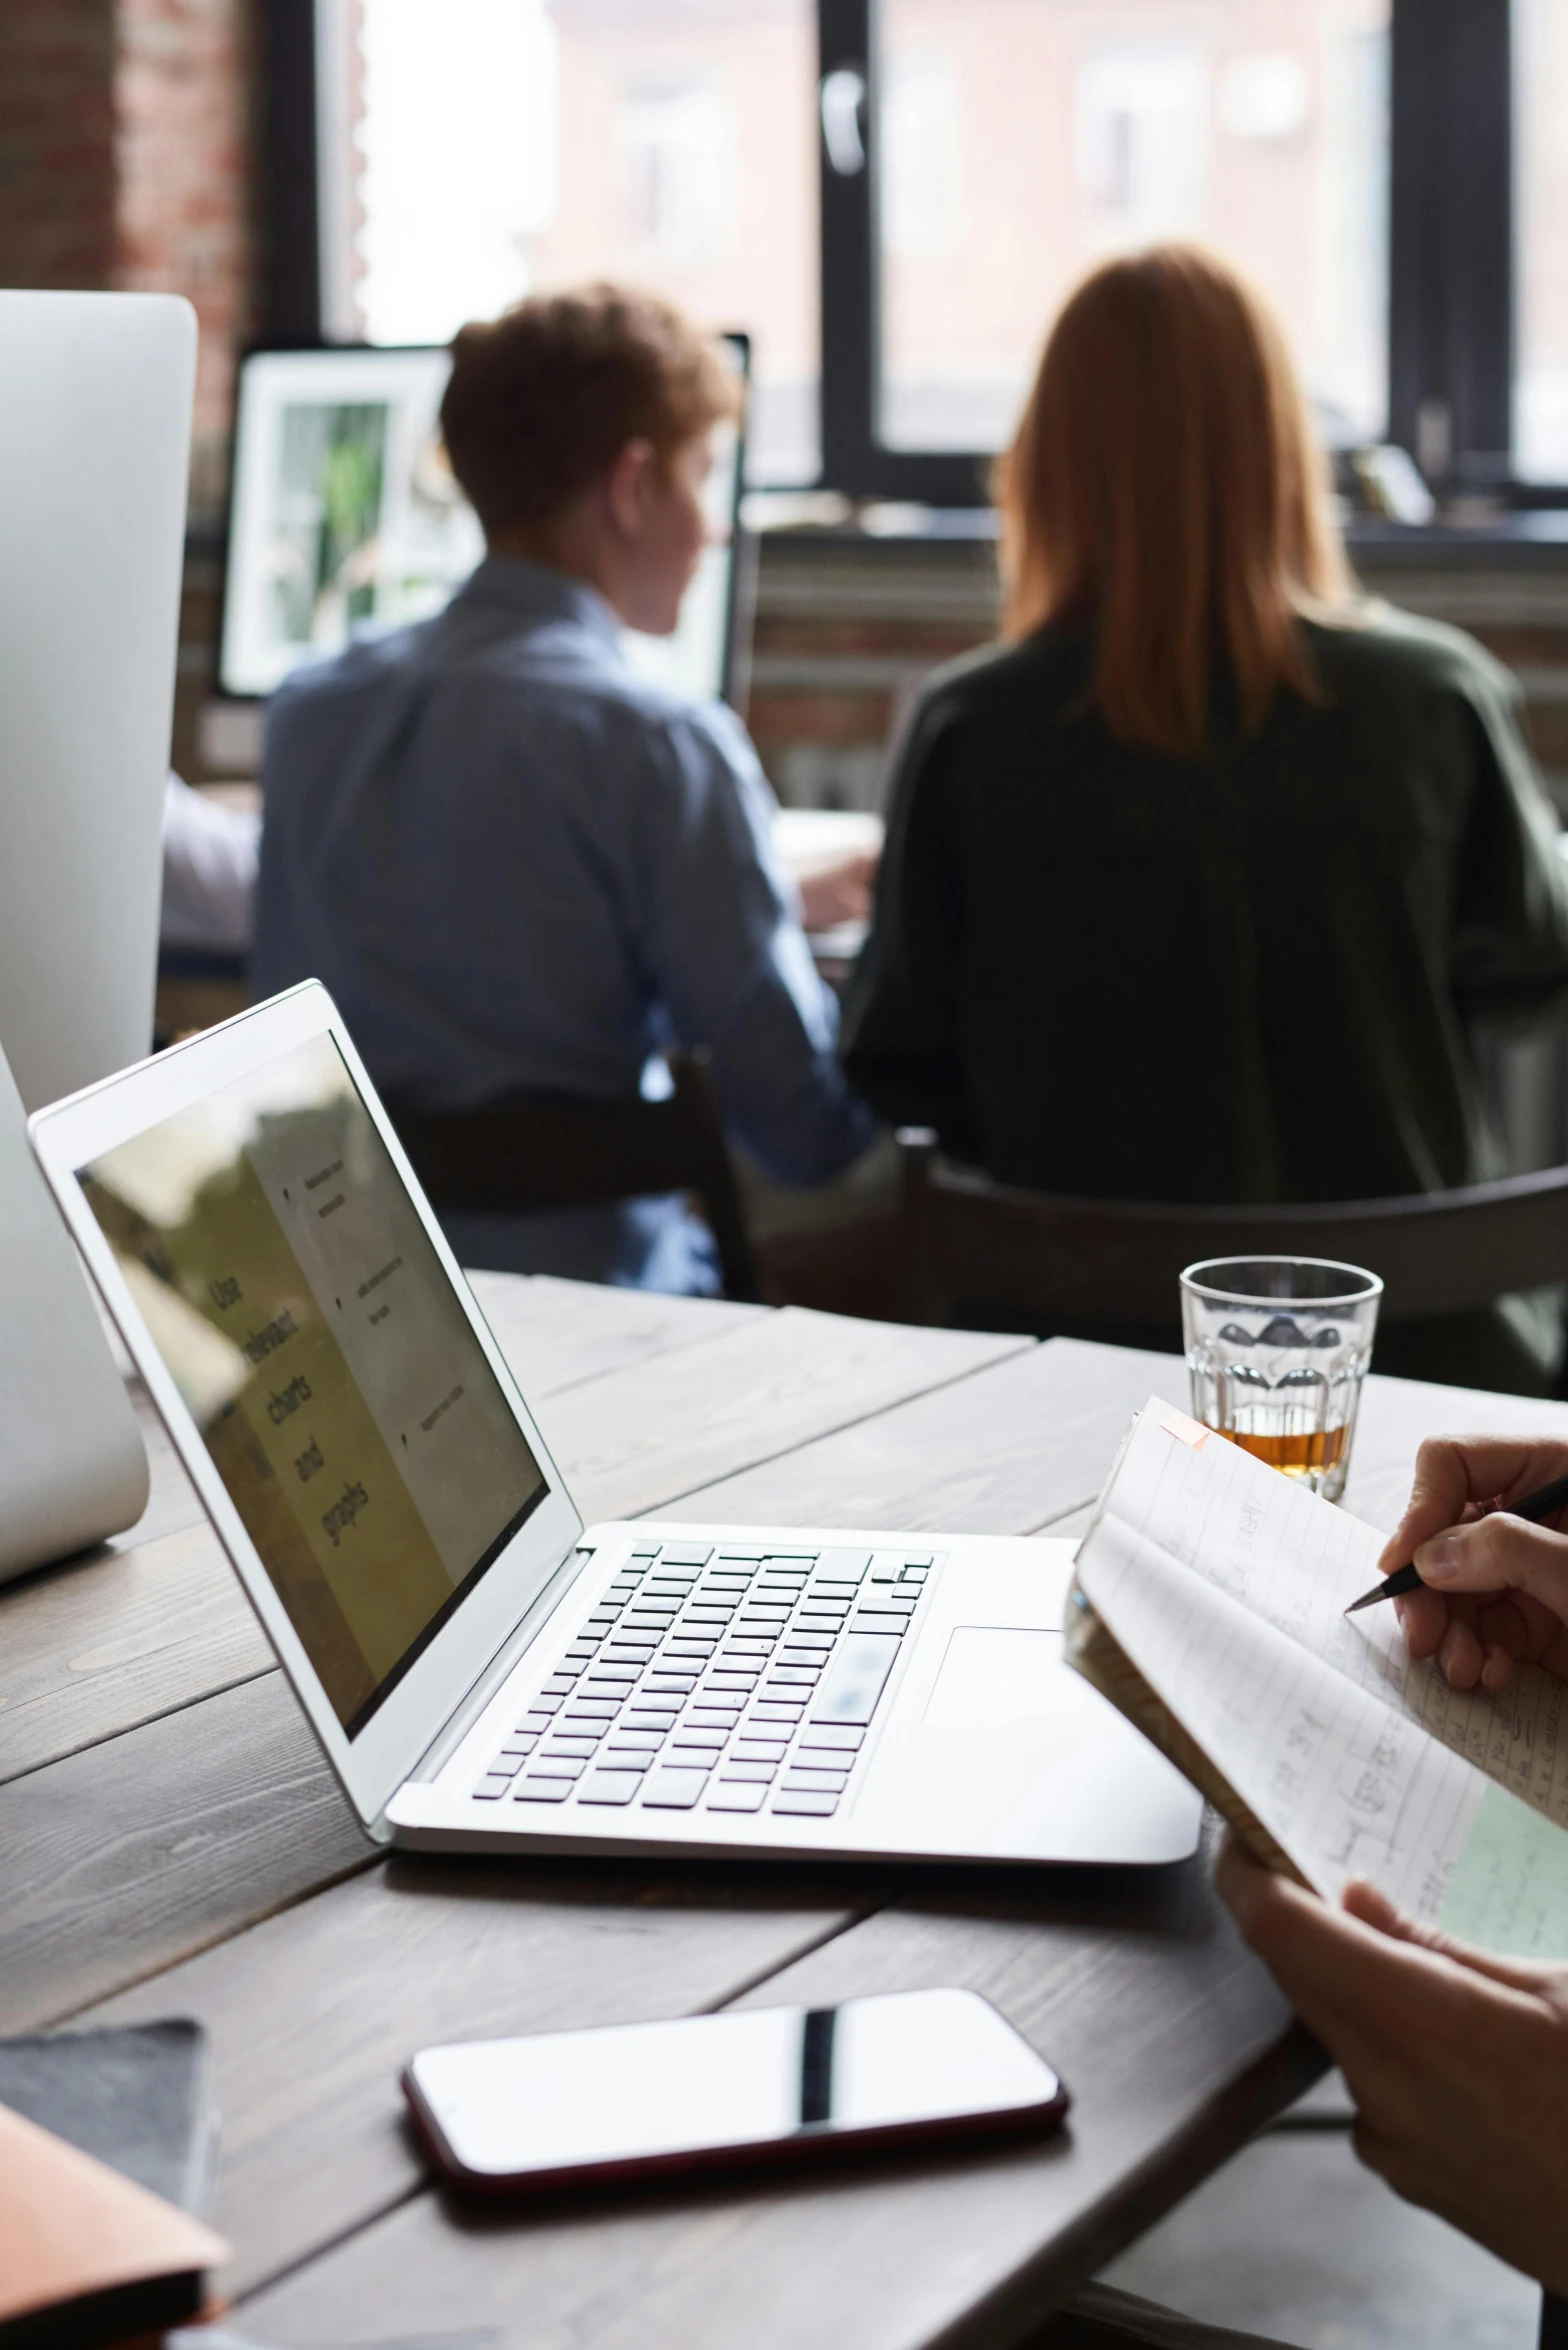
{"x": 1342, "y": 1783}
{"x": 1218, "y": 1579}
{"x": 1296, "y": 1561}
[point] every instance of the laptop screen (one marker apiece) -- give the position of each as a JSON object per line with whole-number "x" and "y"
{"x": 316, "y": 1339}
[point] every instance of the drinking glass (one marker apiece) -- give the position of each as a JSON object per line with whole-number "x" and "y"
{"x": 1277, "y": 1348}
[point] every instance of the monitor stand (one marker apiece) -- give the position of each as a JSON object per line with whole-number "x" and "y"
{"x": 73, "y": 1468}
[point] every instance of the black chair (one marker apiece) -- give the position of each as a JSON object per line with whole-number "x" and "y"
{"x": 533, "y": 1156}
{"x": 970, "y": 1243}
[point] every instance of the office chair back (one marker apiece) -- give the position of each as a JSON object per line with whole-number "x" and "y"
{"x": 533, "y": 1156}
{"x": 969, "y": 1242}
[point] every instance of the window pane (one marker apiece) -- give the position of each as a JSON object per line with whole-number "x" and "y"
{"x": 1540, "y": 33}
{"x": 476, "y": 150}
{"x": 1023, "y": 140}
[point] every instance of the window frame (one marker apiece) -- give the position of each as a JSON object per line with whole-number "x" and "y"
{"x": 1451, "y": 323}
{"x": 1451, "y": 303}
{"x": 287, "y": 151}
{"x": 1450, "y": 261}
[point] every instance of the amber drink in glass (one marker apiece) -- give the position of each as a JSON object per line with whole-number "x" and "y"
{"x": 1277, "y": 1348}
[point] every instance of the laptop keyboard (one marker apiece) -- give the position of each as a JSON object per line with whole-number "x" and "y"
{"x": 728, "y": 1679}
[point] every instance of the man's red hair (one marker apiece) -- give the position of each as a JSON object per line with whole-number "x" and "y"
{"x": 543, "y": 399}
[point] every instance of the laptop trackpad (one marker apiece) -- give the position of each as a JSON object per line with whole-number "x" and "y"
{"x": 995, "y": 1674}
{"x": 1015, "y": 1756}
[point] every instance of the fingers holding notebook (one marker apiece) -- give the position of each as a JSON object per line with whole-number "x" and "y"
{"x": 1363, "y": 1900}
{"x": 1369, "y": 1995}
{"x": 1457, "y": 2062}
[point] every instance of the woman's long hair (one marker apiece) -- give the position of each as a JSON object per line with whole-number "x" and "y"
{"x": 1166, "y": 490}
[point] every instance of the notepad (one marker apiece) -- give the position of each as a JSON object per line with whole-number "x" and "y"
{"x": 87, "y": 2257}
{"x": 135, "y": 2096}
{"x": 1208, "y": 1606}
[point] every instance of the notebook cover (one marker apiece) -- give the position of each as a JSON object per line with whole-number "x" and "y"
{"x": 90, "y": 2257}
{"x": 135, "y": 2096}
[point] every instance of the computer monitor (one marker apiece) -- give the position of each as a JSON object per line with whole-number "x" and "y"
{"x": 95, "y": 410}
{"x": 95, "y": 414}
{"x": 344, "y": 513}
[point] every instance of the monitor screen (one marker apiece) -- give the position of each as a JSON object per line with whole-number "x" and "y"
{"x": 344, "y": 515}
{"x": 314, "y": 1335}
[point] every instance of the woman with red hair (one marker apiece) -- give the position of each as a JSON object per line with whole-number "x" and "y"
{"x": 1195, "y": 887}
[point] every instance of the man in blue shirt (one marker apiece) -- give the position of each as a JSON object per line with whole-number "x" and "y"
{"x": 520, "y": 869}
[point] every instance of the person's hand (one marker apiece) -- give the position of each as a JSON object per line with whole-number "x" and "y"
{"x": 840, "y": 892}
{"x": 1458, "y": 2063}
{"x": 1498, "y": 1585}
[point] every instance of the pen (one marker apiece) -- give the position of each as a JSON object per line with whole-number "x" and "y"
{"x": 1534, "y": 1506}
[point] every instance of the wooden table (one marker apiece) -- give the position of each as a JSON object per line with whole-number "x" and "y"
{"x": 173, "y": 1844}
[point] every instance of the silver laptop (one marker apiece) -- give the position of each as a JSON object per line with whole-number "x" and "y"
{"x": 95, "y": 418}
{"x": 481, "y": 1670}
{"x": 72, "y": 1465}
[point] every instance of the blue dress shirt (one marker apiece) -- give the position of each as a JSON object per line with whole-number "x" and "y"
{"x": 519, "y": 868}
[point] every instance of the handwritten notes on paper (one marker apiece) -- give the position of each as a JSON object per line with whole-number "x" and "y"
{"x": 1225, "y": 1585}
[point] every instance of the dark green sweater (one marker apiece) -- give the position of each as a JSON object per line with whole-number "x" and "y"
{"x": 1100, "y": 970}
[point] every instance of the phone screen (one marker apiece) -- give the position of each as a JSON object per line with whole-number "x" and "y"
{"x": 673, "y": 2095}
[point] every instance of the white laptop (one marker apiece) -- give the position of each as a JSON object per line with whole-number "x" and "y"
{"x": 95, "y": 423}
{"x": 480, "y": 1670}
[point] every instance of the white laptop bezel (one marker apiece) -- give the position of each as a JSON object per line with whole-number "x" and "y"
{"x": 74, "y": 1132}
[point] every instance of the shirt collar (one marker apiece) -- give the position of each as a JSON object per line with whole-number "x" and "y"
{"x": 533, "y": 591}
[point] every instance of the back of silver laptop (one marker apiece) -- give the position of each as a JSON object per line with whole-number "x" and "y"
{"x": 95, "y": 408}
{"x": 72, "y": 1465}
{"x": 95, "y": 413}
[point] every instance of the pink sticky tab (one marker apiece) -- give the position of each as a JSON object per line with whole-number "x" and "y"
{"x": 1188, "y": 1431}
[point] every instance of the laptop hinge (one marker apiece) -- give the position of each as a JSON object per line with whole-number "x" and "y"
{"x": 521, "y": 1638}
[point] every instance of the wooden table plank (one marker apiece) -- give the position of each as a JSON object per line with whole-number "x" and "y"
{"x": 157, "y": 1619}
{"x": 150, "y": 1846}
{"x": 314, "y": 2013}
{"x": 642, "y": 1439}
{"x": 1133, "y": 1984}
{"x": 1004, "y": 1451}
{"x": 104, "y": 1643}
{"x": 1396, "y": 1415}
{"x": 556, "y": 1334}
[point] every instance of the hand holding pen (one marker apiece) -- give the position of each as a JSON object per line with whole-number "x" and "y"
{"x": 1493, "y": 1586}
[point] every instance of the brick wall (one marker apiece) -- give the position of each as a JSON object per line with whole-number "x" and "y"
{"x": 57, "y": 173}
{"x": 125, "y": 162}
{"x": 184, "y": 225}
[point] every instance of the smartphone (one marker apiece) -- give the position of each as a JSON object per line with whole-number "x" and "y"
{"x": 558, "y": 2108}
